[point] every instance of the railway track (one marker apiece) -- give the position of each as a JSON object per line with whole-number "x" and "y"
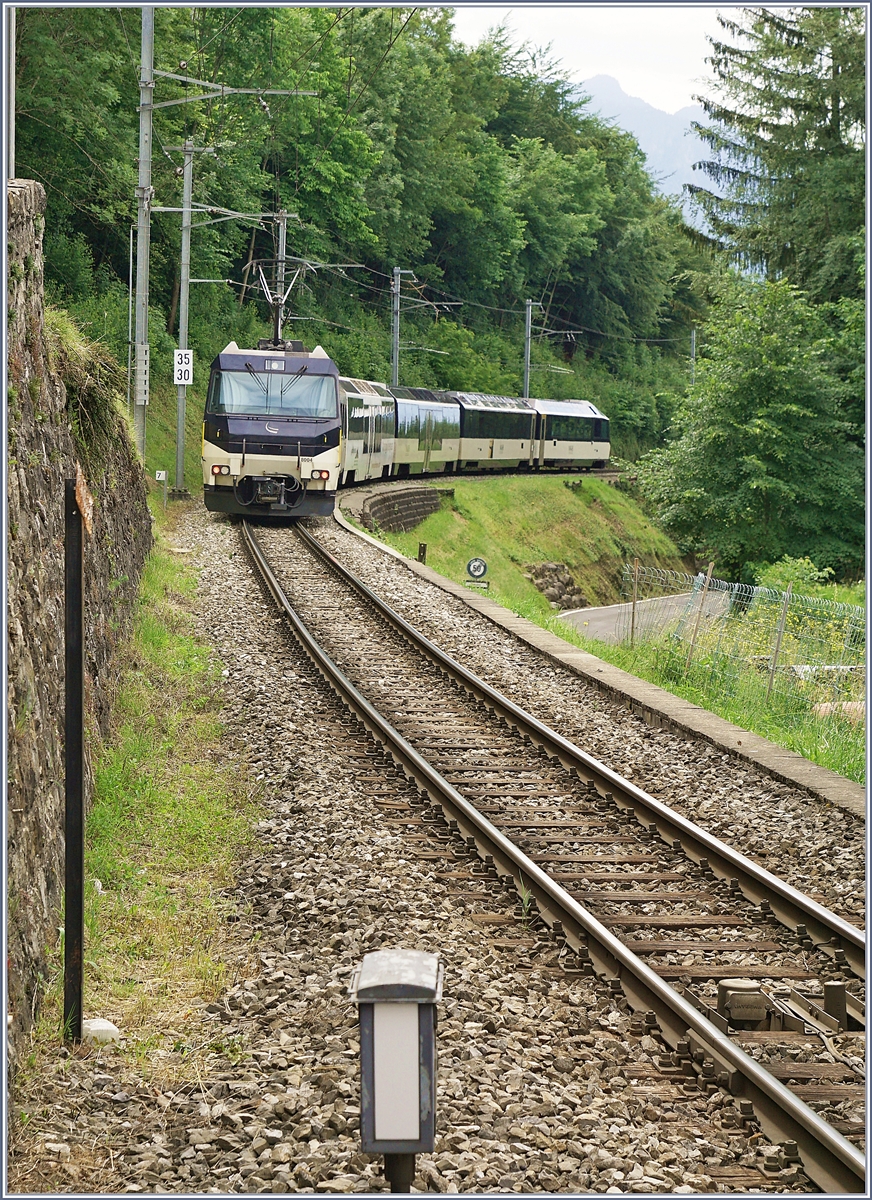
{"x": 665, "y": 912}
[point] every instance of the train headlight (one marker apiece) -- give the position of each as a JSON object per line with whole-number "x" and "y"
{"x": 320, "y": 474}
{"x": 220, "y": 469}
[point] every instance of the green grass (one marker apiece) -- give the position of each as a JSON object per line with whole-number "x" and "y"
{"x": 172, "y": 815}
{"x": 833, "y": 742}
{"x": 160, "y": 432}
{"x": 515, "y": 521}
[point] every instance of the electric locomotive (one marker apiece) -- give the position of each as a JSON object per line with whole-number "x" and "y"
{"x": 272, "y": 431}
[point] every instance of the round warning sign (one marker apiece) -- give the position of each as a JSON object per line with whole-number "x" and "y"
{"x": 476, "y": 568}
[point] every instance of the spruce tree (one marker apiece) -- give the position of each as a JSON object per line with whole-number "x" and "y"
{"x": 787, "y": 131}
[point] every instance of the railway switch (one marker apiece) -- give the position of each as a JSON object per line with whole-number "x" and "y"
{"x": 396, "y": 992}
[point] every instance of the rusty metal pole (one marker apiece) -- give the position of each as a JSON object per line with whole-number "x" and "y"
{"x": 74, "y": 775}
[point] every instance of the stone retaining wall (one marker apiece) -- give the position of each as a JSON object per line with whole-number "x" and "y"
{"x": 399, "y": 509}
{"x": 42, "y": 454}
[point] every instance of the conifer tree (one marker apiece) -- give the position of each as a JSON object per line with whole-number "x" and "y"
{"x": 787, "y": 131}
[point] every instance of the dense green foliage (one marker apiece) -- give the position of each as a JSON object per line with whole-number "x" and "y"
{"x": 767, "y": 455}
{"x": 762, "y": 467}
{"x": 483, "y": 171}
{"x": 480, "y": 169}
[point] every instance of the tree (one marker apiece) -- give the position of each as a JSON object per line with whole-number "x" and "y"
{"x": 787, "y": 131}
{"x": 761, "y": 466}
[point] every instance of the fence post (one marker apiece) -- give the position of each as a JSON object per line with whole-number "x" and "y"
{"x": 778, "y": 637}
{"x": 705, "y": 589}
{"x": 635, "y": 594}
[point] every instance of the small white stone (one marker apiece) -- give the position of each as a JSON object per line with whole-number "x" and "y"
{"x": 99, "y": 1032}
{"x": 61, "y": 1149}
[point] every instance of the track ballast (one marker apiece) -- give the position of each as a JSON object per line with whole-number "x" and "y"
{"x": 553, "y": 819}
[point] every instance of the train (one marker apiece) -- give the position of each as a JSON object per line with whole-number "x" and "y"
{"x": 282, "y": 430}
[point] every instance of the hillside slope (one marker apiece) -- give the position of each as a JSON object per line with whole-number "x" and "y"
{"x": 516, "y": 523}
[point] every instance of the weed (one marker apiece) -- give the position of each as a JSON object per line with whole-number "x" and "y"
{"x": 526, "y": 897}
{"x": 509, "y": 520}
{"x": 834, "y": 742}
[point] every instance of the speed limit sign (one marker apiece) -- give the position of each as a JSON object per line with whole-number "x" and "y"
{"x": 183, "y": 366}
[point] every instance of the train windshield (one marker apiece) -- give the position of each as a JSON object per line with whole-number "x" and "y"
{"x": 262, "y": 393}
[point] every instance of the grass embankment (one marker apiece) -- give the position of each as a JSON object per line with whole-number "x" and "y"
{"x": 160, "y": 432}
{"x": 594, "y": 529}
{"x": 171, "y": 815}
{"x": 834, "y": 742}
{"x": 521, "y": 520}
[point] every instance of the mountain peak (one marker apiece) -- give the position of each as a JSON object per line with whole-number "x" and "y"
{"x": 666, "y": 139}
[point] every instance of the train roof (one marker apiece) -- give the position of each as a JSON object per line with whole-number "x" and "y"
{"x": 493, "y": 403}
{"x": 364, "y": 387}
{"x": 317, "y": 361}
{"x": 422, "y": 395}
{"x": 567, "y": 408}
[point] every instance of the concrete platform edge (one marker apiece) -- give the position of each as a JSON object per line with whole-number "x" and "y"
{"x": 658, "y": 708}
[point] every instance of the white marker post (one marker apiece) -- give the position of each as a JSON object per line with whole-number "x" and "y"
{"x": 161, "y": 477}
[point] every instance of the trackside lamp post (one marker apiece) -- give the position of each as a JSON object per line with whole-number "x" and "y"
{"x": 396, "y": 992}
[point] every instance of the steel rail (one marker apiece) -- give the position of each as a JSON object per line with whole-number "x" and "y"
{"x": 829, "y": 1159}
{"x": 789, "y": 905}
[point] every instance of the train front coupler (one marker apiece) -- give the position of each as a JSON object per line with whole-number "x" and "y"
{"x": 279, "y": 493}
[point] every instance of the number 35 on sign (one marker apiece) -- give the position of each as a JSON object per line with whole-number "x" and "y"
{"x": 183, "y": 366}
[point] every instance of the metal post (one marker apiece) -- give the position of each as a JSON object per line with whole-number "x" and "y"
{"x": 10, "y": 93}
{"x": 283, "y": 247}
{"x": 692, "y": 356}
{"x": 395, "y": 328}
{"x": 400, "y": 1171}
{"x": 778, "y": 637}
{"x": 184, "y": 290}
{"x": 528, "y": 330}
{"x": 74, "y": 776}
{"x": 705, "y": 589}
{"x": 143, "y": 226}
{"x": 635, "y": 594}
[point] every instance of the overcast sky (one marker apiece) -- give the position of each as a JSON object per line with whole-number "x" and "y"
{"x": 655, "y": 51}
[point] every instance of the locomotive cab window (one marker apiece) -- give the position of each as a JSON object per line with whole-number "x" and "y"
{"x": 257, "y": 393}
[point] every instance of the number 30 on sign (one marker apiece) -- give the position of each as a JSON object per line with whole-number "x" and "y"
{"x": 183, "y": 366}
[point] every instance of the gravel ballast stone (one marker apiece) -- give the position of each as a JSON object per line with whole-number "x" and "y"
{"x": 541, "y": 1086}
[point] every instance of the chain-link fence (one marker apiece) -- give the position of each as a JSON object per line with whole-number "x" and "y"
{"x": 756, "y": 641}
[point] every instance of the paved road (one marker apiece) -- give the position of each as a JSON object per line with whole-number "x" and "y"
{"x": 612, "y": 622}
